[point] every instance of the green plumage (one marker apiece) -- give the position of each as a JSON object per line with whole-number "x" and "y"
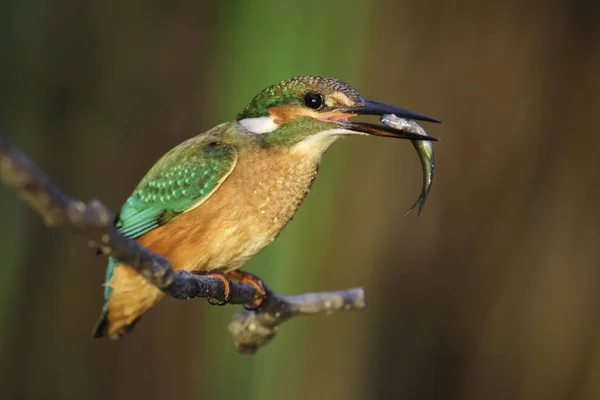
{"x": 179, "y": 180}
{"x": 291, "y": 92}
{"x": 170, "y": 190}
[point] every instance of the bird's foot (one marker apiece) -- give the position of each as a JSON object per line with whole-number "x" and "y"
{"x": 226, "y": 283}
{"x": 259, "y": 286}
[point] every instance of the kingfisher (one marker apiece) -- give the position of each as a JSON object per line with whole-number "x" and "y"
{"x": 217, "y": 199}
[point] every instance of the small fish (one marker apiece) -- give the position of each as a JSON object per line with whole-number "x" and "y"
{"x": 424, "y": 150}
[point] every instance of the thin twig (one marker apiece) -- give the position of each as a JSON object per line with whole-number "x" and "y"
{"x": 253, "y": 329}
{"x": 250, "y": 329}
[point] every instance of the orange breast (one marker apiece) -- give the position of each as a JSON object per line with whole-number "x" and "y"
{"x": 243, "y": 216}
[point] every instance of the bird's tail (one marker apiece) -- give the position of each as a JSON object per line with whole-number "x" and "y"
{"x": 103, "y": 328}
{"x": 127, "y": 296}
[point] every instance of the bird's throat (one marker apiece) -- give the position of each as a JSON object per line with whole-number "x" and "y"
{"x": 316, "y": 145}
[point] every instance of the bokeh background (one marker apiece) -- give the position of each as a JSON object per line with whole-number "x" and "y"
{"x": 493, "y": 293}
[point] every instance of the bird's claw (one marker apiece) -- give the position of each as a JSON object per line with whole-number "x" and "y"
{"x": 226, "y": 288}
{"x": 257, "y": 283}
{"x": 216, "y": 302}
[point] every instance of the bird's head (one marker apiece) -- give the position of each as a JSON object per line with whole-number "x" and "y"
{"x": 311, "y": 107}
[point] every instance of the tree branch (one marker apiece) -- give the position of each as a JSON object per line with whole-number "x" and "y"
{"x": 250, "y": 329}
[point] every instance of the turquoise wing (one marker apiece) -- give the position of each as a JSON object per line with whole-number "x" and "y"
{"x": 182, "y": 178}
{"x": 170, "y": 190}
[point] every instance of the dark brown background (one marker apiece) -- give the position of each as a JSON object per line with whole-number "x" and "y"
{"x": 491, "y": 294}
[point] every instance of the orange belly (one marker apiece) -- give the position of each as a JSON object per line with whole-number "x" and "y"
{"x": 242, "y": 217}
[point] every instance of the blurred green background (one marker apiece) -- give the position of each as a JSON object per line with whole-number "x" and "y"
{"x": 493, "y": 293}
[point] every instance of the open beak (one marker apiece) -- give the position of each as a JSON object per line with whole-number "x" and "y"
{"x": 370, "y": 107}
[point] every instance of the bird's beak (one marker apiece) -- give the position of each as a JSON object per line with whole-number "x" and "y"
{"x": 370, "y": 107}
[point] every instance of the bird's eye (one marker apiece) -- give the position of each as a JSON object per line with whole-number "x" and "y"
{"x": 313, "y": 100}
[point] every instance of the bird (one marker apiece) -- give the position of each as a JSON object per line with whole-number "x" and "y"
{"x": 217, "y": 199}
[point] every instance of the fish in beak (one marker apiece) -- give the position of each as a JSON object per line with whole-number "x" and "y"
{"x": 370, "y": 107}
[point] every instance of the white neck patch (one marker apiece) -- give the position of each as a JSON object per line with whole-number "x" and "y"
{"x": 259, "y": 125}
